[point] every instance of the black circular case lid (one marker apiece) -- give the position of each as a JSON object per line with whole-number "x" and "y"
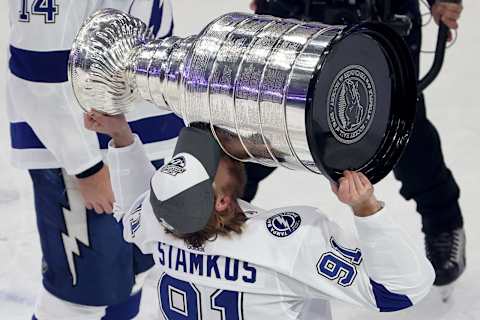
{"x": 361, "y": 104}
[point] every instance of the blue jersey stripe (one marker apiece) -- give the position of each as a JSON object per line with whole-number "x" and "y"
{"x": 388, "y": 301}
{"x": 22, "y": 136}
{"x": 156, "y": 17}
{"x": 39, "y": 66}
{"x": 153, "y": 129}
{"x": 126, "y": 310}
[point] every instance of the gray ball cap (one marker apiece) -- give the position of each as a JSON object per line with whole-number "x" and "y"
{"x": 182, "y": 195}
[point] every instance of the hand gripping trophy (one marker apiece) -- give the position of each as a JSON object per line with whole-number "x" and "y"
{"x": 278, "y": 92}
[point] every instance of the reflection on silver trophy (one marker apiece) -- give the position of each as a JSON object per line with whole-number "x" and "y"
{"x": 277, "y": 92}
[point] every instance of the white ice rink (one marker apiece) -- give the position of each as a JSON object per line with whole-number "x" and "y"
{"x": 453, "y": 105}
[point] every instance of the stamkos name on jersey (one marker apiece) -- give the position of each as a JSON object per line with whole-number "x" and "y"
{"x": 212, "y": 266}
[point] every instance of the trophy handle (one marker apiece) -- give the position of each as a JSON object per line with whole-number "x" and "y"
{"x": 100, "y": 59}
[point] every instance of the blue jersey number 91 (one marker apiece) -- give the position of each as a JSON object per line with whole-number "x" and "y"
{"x": 181, "y": 300}
{"x": 341, "y": 264}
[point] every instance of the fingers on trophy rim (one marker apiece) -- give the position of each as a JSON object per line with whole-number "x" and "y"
{"x": 343, "y": 188}
{"x": 365, "y": 180}
{"x": 357, "y": 182}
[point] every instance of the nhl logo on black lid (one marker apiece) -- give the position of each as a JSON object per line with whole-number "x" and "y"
{"x": 351, "y": 104}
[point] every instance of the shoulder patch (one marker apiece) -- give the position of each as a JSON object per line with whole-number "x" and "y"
{"x": 134, "y": 220}
{"x": 175, "y": 166}
{"x": 283, "y": 224}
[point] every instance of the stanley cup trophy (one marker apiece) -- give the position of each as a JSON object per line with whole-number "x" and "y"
{"x": 278, "y": 92}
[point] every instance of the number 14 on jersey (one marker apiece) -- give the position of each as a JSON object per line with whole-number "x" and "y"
{"x": 46, "y": 8}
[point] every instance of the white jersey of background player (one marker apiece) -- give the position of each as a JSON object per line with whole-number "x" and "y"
{"x": 88, "y": 270}
{"x": 286, "y": 264}
{"x": 42, "y": 109}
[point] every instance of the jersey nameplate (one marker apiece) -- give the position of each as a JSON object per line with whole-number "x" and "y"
{"x": 211, "y": 266}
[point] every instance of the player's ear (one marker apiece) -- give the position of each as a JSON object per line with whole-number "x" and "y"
{"x": 222, "y": 202}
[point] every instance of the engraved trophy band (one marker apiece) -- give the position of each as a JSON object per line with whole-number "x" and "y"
{"x": 278, "y": 92}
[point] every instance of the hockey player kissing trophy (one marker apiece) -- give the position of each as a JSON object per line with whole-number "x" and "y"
{"x": 278, "y": 92}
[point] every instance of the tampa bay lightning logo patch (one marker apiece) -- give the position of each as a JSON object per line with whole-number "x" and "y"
{"x": 283, "y": 224}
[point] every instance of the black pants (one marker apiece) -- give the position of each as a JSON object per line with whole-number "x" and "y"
{"x": 425, "y": 177}
{"x": 422, "y": 170}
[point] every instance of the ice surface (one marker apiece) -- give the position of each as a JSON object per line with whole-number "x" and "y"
{"x": 452, "y": 105}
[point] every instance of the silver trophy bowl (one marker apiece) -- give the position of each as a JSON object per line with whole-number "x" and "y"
{"x": 288, "y": 93}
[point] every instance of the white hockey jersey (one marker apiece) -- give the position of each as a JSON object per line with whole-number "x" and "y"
{"x": 287, "y": 264}
{"x": 46, "y": 123}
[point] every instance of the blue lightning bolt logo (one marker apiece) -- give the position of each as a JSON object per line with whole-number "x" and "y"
{"x": 283, "y": 222}
{"x": 76, "y": 226}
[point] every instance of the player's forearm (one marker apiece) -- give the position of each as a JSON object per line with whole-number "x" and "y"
{"x": 130, "y": 171}
{"x": 392, "y": 259}
{"x": 367, "y": 208}
{"x": 123, "y": 137}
